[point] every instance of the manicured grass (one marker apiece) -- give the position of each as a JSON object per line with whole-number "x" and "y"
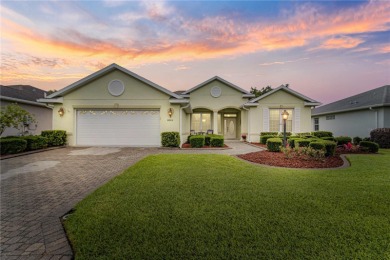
{"x": 218, "y": 207}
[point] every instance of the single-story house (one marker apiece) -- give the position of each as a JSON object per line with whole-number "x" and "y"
{"x": 26, "y": 97}
{"x": 114, "y": 107}
{"x": 356, "y": 115}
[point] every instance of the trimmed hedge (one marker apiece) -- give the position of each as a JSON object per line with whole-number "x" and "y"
{"x": 291, "y": 141}
{"x": 264, "y": 138}
{"x": 268, "y": 133}
{"x": 35, "y": 142}
{"x": 371, "y": 146}
{"x": 321, "y": 134}
{"x": 381, "y": 136}
{"x": 318, "y": 145}
{"x": 170, "y": 139}
{"x": 12, "y": 145}
{"x": 304, "y": 134}
{"x": 343, "y": 140}
{"x": 207, "y": 138}
{"x": 55, "y": 137}
{"x": 217, "y": 141}
{"x": 329, "y": 139}
{"x": 197, "y": 141}
{"x": 302, "y": 142}
{"x": 330, "y": 147}
{"x": 356, "y": 140}
{"x": 274, "y": 144}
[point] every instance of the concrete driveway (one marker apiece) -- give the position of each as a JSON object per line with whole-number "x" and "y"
{"x": 37, "y": 189}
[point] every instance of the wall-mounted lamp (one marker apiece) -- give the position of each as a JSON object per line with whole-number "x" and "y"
{"x": 61, "y": 112}
{"x": 170, "y": 112}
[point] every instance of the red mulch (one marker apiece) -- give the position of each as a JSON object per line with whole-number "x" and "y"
{"x": 280, "y": 160}
{"x": 204, "y": 147}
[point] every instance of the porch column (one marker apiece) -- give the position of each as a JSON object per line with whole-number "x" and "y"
{"x": 215, "y": 122}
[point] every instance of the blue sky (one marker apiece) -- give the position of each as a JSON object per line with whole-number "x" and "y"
{"x": 324, "y": 49}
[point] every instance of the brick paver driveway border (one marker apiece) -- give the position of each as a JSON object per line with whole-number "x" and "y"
{"x": 37, "y": 189}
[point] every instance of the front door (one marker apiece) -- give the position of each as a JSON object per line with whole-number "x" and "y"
{"x": 230, "y": 128}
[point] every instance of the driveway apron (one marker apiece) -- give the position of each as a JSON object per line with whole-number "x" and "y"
{"x": 37, "y": 189}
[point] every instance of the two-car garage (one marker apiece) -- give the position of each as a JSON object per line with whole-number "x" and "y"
{"x": 112, "y": 127}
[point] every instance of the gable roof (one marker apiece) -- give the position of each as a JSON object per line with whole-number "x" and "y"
{"x": 243, "y": 91}
{"x": 308, "y": 101}
{"x": 104, "y": 71}
{"x": 373, "y": 98}
{"x": 24, "y": 92}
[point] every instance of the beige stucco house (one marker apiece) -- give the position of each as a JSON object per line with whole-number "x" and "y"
{"x": 116, "y": 107}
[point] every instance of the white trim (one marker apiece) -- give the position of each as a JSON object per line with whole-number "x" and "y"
{"x": 59, "y": 100}
{"x": 17, "y": 100}
{"x": 219, "y": 79}
{"x": 265, "y": 119}
{"x": 288, "y": 90}
{"x": 297, "y": 119}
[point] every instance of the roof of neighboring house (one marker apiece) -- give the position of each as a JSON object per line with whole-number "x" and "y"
{"x": 373, "y": 98}
{"x": 221, "y": 80}
{"x": 22, "y": 94}
{"x": 308, "y": 101}
{"x": 104, "y": 71}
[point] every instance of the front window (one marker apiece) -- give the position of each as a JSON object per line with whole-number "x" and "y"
{"x": 276, "y": 120}
{"x": 316, "y": 124}
{"x": 201, "y": 122}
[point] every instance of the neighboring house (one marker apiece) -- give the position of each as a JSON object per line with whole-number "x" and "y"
{"x": 26, "y": 97}
{"x": 115, "y": 106}
{"x": 356, "y": 115}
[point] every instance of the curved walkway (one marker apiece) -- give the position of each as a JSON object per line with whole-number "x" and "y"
{"x": 37, "y": 189}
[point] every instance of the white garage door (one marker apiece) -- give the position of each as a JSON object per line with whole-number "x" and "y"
{"x": 118, "y": 127}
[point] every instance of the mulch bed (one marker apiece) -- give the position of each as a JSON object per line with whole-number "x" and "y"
{"x": 280, "y": 160}
{"x": 204, "y": 147}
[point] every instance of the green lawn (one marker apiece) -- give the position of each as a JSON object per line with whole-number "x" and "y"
{"x": 218, "y": 207}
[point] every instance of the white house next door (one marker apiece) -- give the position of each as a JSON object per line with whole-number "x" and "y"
{"x": 230, "y": 128}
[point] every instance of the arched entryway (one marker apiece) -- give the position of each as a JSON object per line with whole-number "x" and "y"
{"x": 229, "y": 123}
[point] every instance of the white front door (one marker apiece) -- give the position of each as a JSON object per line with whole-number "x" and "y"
{"x": 230, "y": 128}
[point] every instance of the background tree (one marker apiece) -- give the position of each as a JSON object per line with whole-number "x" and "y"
{"x": 259, "y": 92}
{"x": 14, "y": 116}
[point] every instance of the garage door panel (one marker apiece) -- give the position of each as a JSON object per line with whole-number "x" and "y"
{"x": 118, "y": 127}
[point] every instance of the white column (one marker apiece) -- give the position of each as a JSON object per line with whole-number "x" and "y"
{"x": 215, "y": 122}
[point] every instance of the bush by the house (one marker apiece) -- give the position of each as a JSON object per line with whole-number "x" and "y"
{"x": 366, "y": 139}
{"x": 217, "y": 141}
{"x": 356, "y": 140}
{"x": 197, "y": 141}
{"x": 341, "y": 140}
{"x": 381, "y": 136}
{"x": 274, "y": 144}
{"x": 370, "y": 146}
{"x": 170, "y": 139}
{"x": 268, "y": 133}
{"x": 264, "y": 138}
{"x": 12, "y": 145}
{"x": 330, "y": 148}
{"x": 321, "y": 134}
{"x": 304, "y": 134}
{"x": 281, "y": 135}
{"x": 55, "y": 137}
{"x": 329, "y": 139}
{"x": 35, "y": 142}
{"x": 302, "y": 142}
{"x": 319, "y": 145}
{"x": 207, "y": 138}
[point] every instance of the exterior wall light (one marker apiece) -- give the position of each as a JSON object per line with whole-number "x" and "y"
{"x": 285, "y": 115}
{"x": 61, "y": 112}
{"x": 170, "y": 112}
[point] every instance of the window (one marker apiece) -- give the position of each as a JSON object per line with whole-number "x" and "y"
{"x": 200, "y": 122}
{"x": 276, "y": 120}
{"x": 316, "y": 124}
{"x": 330, "y": 117}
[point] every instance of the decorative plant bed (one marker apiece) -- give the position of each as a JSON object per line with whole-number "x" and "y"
{"x": 280, "y": 160}
{"x": 204, "y": 147}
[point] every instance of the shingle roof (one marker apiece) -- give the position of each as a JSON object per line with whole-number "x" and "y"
{"x": 24, "y": 92}
{"x": 373, "y": 98}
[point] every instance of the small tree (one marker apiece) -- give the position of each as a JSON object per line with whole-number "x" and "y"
{"x": 259, "y": 92}
{"x": 14, "y": 116}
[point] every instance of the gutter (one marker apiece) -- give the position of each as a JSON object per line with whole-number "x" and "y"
{"x": 352, "y": 109}
{"x": 17, "y": 100}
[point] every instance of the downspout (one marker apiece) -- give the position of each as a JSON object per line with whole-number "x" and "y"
{"x": 180, "y": 122}
{"x": 247, "y": 116}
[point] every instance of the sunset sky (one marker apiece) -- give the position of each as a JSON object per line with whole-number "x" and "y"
{"x": 326, "y": 50}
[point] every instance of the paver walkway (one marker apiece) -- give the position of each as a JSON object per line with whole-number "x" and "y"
{"x": 37, "y": 189}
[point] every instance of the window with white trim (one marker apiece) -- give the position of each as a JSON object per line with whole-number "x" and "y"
{"x": 316, "y": 124}
{"x": 276, "y": 120}
{"x": 201, "y": 122}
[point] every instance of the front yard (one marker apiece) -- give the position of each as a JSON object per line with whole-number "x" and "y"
{"x": 219, "y": 207}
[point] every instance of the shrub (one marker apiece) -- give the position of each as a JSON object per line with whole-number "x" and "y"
{"x": 330, "y": 148}
{"x": 274, "y": 144}
{"x": 170, "y": 139}
{"x": 217, "y": 141}
{"x": 366, "y": 139}
{"x": 321, "y": 134}
{"x": 291, "y": 141}
{"x": 197, "y": 141}
{"x": 268, "y": 133}
{"x": 371, "y": 146}
{"x": 303, "y": 134}
{"x": 381, "y": 136}
{"x": 317, "y": 145}
{"x": 341, "y": 140}
{"x": 312, "y": 153}
{"x": 264, "y": 138}
{"x": 12, "y": 145}
{"x": 356, "y": 140}
{"x": 55, "y": 137}
{"x": 207, "y": 138}
{"x": 302, "y": 143}
{"x": 35, "y": 142}
{"x": 281, "y": 135}
{"x": 329, "y": 139}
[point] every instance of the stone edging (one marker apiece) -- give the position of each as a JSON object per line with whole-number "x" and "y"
{"x": 8, "y": 156}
